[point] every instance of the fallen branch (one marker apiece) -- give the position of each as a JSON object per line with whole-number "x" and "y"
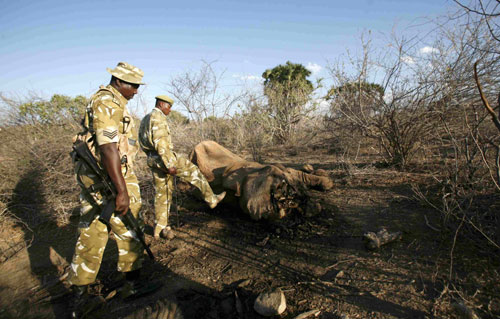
{"x": 382, "y": 237}
{"x": 429, "y": 225}
{"x": 341, "y": 262}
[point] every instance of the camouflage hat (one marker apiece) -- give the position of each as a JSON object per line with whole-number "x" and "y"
{"x": 127, "y": 73}
{"x": 165, "y": 98}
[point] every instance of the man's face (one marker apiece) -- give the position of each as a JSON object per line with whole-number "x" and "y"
{"x": 128, "y": 90}
{"x": 165, "y": 107}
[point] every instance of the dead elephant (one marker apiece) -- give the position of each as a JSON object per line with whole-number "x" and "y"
{"x": 262, "y": 191}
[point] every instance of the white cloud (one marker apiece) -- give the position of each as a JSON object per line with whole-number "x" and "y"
{"x": 314, "y": 67}
{"x": 408, "y": 60}
{"x": 247, "y": 77}
{"x": 323, "y": 105}
{"x": 252, "y": 77}
{"x": 428, "y": 49}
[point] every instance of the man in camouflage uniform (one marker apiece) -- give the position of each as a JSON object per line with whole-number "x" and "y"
{"x": 109, "y": 133}
{"x": 156, "y": 142}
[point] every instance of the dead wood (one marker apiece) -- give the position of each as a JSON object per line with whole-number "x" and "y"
{"x": 375, "y": 240}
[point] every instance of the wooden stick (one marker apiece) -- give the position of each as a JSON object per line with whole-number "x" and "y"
{"x": 486, "y": 104}
{"x": 429, "y": 225}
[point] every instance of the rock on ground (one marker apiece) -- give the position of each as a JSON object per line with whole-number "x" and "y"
{"x": 270, "y": 303}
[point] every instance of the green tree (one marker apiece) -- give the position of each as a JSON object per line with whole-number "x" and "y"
{"x": 58, "y": 108}
{"x": 290, "y": 72}
{"x": 288, "y": 91}
{"x": 178, "y": 117}
{"x": 371, "y": 89}
{"x": 355, "y": 98}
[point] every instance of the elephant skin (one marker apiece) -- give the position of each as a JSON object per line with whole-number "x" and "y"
{"x": 263, "y": 191}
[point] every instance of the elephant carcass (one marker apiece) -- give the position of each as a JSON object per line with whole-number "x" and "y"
{"x": 263, "y": 191}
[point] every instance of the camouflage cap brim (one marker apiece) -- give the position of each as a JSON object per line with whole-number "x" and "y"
{"x": 127, "y": 73}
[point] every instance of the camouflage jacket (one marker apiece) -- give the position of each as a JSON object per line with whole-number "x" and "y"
{"x": 107, "y": 120}
{"x": 155, "y": 139}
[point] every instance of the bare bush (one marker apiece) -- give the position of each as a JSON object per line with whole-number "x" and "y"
{"x": 36, "y": 167}
{"x": 41, "y": 153}
{"x": 394, "y": 113}
{"x": 254, "y": 127}
{"x": 200, "y": 94}
{"x": 465, "y": 141}
{"x": 484, "y": 12}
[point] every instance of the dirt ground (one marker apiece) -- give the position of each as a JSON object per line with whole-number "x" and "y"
{"x": 220, "y": 257}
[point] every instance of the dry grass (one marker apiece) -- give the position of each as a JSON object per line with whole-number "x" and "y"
{"x": 37, "y": 171}
{"x": 38, "y": 186}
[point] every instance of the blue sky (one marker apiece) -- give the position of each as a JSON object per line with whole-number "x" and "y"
{"x": 64, "y": 47}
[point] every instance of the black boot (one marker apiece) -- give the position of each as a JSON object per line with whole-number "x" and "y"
{"x": 134, "y": 287}
{"x": 133, "y": 275}
{"x": 82, "y": 303}
{"x": 79, "y": 294}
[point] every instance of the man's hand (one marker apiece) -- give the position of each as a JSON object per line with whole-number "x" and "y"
{"x": 122, "y": 203}
{"x": 172, "y": 171}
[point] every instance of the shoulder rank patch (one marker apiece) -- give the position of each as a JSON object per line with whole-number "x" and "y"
{"x": 110, "y": 134}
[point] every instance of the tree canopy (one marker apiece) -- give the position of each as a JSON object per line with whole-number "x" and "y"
{"x": 288, "y": 92}
{"x": 352, "y": 88}
{"x": 289, "y": 72}
{"x": 57, "y": 108}
{"x": 178, "y": 117}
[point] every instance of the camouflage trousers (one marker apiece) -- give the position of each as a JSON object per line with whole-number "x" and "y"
{"x": 163, "y": 184}
{"x": 93, "y": 234}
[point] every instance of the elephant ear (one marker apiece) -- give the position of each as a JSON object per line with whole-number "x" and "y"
{"x": 233, "y": 182}
{"x": 256, "y": 193}
{"x": 236, "y": 175}
{"x": 255, "y": 197}
{"x": 200, "y": 158}
{"x": 302, "y": 181}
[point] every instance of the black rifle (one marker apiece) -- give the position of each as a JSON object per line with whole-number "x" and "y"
{"x": 108, "y": 190}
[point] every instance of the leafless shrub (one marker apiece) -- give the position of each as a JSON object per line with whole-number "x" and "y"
{"x": 394, "y": 113}
{"x": 256, "y": 124}
{"x": 36, "y": 168}
{"x": 485, "y": 13}
{"x": 200, "y": 94}
{"x": 254, "y": 127}
{"x": 464, "y": 141}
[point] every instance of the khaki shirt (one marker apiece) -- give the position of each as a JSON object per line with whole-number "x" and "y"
{"x": 155, "y": 139}
{"x": 107, "y": 115}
